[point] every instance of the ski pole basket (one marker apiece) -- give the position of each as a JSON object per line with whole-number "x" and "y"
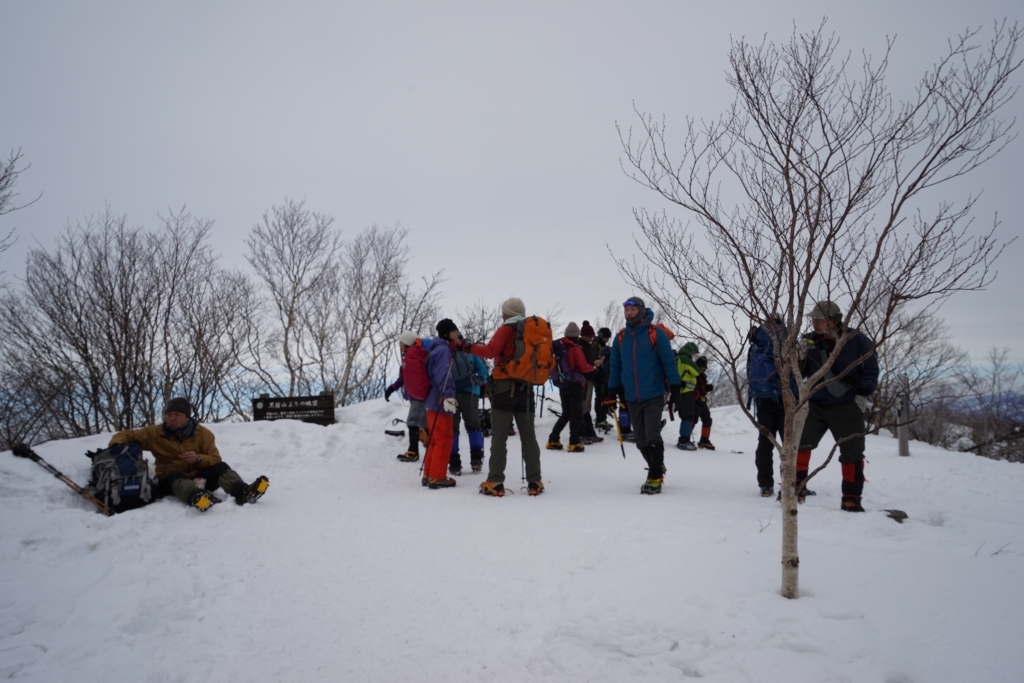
{"x": 316, "y": 409}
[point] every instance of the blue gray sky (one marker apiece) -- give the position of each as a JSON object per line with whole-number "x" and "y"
{"x": 486, "y": 129}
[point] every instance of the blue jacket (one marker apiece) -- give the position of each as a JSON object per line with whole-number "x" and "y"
{"x": 640, "y": 368}
{"x": 862, "y": 380}
{"x": 481, "y": 369}
{"x": 439, "y": 363}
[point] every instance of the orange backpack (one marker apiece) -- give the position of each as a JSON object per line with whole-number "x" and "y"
{"x": 533, "y": 360}
{"x": 653, "y": 331}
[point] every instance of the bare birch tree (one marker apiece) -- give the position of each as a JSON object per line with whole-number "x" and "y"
{"x": 813, "y": 186}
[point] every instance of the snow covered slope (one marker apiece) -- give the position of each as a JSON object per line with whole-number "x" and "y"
{"x": 349, "y": 570}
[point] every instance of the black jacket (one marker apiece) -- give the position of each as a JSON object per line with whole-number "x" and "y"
{"x": 862, "y": 380}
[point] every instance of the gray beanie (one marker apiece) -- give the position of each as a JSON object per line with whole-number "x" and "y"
{"x": 572, "y": 330}
{"x": 178, "y": 405}
{"x": 636, "y": 301}
{"x": 408, "y": 338}
{"x": 513, "y": 306}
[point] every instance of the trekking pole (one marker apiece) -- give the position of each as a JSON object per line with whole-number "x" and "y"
{"x": 23, "y": 451}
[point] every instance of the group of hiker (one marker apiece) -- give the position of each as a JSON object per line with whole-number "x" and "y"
{"x": 444, "y": 378}
{"x": 631, "y": 375}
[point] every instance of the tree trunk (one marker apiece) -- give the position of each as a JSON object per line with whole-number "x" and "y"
{"x": 790, "y": 535}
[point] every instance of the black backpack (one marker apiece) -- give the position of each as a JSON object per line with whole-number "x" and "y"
{"x": 120, "y": 477}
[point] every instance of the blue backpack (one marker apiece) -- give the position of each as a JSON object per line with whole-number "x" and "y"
{"x": 562, "y": 375}
{"x": 464, "y": 373}
{"x": 120, "y": 477}
{"x": 762, "y": 375}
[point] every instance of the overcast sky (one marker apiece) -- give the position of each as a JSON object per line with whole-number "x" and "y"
{"x": 486, "y": 129}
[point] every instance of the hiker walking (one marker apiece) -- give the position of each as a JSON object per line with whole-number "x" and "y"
{"x": 184, "y": 451}
{"x": 837, "y": 407}
{"x": 686, "y": 401}
{"x": 511, "y": 399}
{"x": 604, "y": 351}
{"x": 415, "y": 385}
{"x": 570, "y": 378}
{"x": 643, "y": 370}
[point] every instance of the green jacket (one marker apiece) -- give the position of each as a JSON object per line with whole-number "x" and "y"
{"x": 688, "y": 370}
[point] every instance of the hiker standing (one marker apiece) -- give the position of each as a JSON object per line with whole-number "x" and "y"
{"x": 415, "y": 385}
{"x": 441, "y": 405}
{"x": 643, "y": 369}
{"x": 571, "y": 379}
{"x": 700, "y": 395}
{"x": 686, "y": 401}
{"x": 588, "y": 434}
{"x": 511, "y": 399}
{"x": 764, "y": 392}
{"x": 183, "y": 451}
{"x": 604, "y": 352}
{"x": 837, "y": 407}
{"x": 469, "y": 374}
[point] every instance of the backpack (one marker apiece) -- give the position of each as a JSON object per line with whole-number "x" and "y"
{"x": 762, "y": 375}
{"x": 562, "y": 374}
{"x": 653, "y": 331}
{"x": 464, "y": 373}
{"x": 532, "y": 362}
{"x": 120, "y": 477}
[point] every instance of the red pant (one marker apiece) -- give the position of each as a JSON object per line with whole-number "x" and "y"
{"x": 435, "y": 463}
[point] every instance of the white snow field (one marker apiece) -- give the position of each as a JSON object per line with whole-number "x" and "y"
{"x": 349, "y": 570}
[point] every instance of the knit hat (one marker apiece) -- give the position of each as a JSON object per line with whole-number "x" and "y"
{"x": 635, "y": 301}
{"x": 604, "y": 333}
{"x": 826, "y": 309}
{"x": 572, "y": 330}
{"x": 446, "y": 327}
{"x": 586, "y": 330}
{"x": 702, "y": 363}
{"x": 178, "y": 405}
{"x": 408, "y": 338}
{"x": 513, "y": 306}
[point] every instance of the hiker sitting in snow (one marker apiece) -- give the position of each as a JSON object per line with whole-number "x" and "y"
{"x": 184, "y": 450}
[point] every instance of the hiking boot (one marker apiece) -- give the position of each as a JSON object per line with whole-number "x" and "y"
{"x": 575, "y": 448}
{"x": 445, "y": 483}
{"x": 706, "y": 444}
{"x": 455, "y": 471}
{"x": 424, "y": 481}
{"x": 652, "y": 486}
{"x": 478, "y": 467}
{"x": 686, "y": 445}
{"x": 604, "y": 427}
{"x": 851, "y": 504}
{"x": 492, "y": 488}
{"x": 535, "y": 488}
{"x": 596, "y": 439}
{"x": 201, "y": 500}
{"x": 553, "y": 445}
{"x": 409, "y": 456}
{"x": 801, "y": 496}
{"x": 767, "y": 491}
{"x": 631, "y": 437}
{"x": 253, "y": 492}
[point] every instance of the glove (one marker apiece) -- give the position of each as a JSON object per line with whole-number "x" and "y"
{"x": 450, "y": 405}
{"x": 613, "y": 396}
{"x": 803, "y": 347}
{"x": 387, "y": 393}
{"x": 862, "y": 403}
{"x": 674, "y": 389}
{"x": 460, "y": 345}
{"x": 710, "y": 388}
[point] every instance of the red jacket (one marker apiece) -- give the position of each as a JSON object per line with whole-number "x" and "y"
{"x": 414, "y": 372}
{"x": 502, "y": 348}
{"x": 576, "y": 359}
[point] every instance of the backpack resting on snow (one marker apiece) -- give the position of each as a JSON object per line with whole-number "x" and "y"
{"x": 120, "y": 477}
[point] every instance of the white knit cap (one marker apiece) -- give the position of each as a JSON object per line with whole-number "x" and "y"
{"x": 408, "y": 338}
{"x": 513, "y": 306}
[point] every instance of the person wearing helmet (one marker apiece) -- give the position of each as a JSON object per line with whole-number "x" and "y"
{"x": 839, "y": 399}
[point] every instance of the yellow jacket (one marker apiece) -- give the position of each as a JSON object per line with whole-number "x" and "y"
{"x": 166, "y": 449}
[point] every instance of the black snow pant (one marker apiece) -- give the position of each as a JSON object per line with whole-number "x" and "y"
{"x": 645, "y": 419}
{"x": 572, "y": 412}
{"x": 772, "y": 417}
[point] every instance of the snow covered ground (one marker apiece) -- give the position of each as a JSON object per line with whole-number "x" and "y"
{"x": 349, "y": 570}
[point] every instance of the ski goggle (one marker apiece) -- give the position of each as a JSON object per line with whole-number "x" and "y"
{"x": 631, "y": 302}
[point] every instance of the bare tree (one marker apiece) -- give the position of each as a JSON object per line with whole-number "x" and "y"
{"x": 916, "y": 358}
{"x": 9, "y": 173}
{"x": 812, "y": 187}
{"x": 295, "y": 254}
{"x": 992, "y": 407}
{"x": 478, "y": 321}
{"x": 612, "y": 317}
